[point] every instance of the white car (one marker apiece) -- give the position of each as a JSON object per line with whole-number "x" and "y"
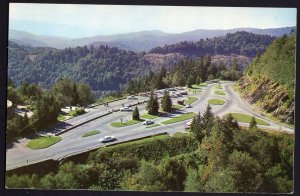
{"x": 173, "y": 95}
{"x": 107, "y": 139}
{"x": 126, "y": 109}
{"x": 188, "y": 106}
{"x": 189, "y": 123}
{"x": 148, "y": 122}
{"x": 132, "y": 97}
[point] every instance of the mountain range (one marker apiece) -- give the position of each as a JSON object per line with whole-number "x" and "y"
{"x": 136, "y": 41}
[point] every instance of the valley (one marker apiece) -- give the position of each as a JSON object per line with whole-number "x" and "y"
{"x": 203, "y": 110}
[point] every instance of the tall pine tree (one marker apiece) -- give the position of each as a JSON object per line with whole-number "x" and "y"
{"x": 166, "y": 102}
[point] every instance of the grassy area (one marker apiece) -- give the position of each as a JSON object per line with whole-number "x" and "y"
{"x": 148, "y": 116}
{"x": 203, "y": 84}
{"x": 128, "y": 123}
{"x": 179, "y": 118}
{"x": 177, "y": 107}
{"x": 219, "y": 86}
{"x": 43, "y": 142}
{"x": 178, "y": 134}
{"x": 195, "y": 86}
{"x": 154, "y": 125}
{"x": 195, "y": 90}
{"x": 216, "y": 101}
{"x": 190, "y": 100}
{"x": 247, "y": 118}
{"x": 73, "y": 113}
{"x": 219, "y": 93}
{"x": 61, "y": 117}
{"x": 94, "y": 132}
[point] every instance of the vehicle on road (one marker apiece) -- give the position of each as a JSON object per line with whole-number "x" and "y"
{"x": 174, "y": 95}
{"x": 131, "y": 97}
{"x": 107, "y": 139}
{"x": 184, "y": 93}
{"x": 188, "y": 124}
{"x": 125, "y": 109}
{"x": 148, "y": 122}
{"x": 143, "y": 94}
{"x": 179, "y": 88}
{"x": 180, "y": 102}
{"x": 188, "y": 106}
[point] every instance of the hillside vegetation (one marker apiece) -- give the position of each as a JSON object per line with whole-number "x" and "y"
{"x": 103, "y": 68}
{"x": 109, "y": 68}
{"x": 217, "y": 156}
{"x": 270, "y": 80}
{"x": 241, "y": 43}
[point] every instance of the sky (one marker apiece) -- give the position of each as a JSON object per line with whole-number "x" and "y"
{"x": 76, "y": 21}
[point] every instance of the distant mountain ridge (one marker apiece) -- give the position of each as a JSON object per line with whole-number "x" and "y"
{"x": 136, "y": 41}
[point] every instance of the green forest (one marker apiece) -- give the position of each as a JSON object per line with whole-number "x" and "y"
{"x": 270, "y": 80}
{"x": 216, "y": 155}
{"x": 185, "y": 73}
{"x": 45, "y": 104}
{"x": 106, "y": 68}
{"x": 241, "y": 42}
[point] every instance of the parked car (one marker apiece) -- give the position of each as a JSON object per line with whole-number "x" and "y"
{"x": 184, "y": 93}
{"x": 174, "y": 95}
{"x": 148, "y": 122}
{"x": 107, "y": 139}
{"x": 125, "y": 109}
{"x": 189, "y": 123}
{"x": 188, "y": 106}
{"x": 131, "y": 97}
{"x": 180, "y": 102}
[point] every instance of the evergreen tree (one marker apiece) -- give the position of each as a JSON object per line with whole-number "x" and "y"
{"x": 253, "y": 124}
{"x": 208, "y": 119}
{"x": 75, "y": 96}
{"x": 198, "y": 80}
{"x": 152, "y": 105}
{"x": 166, "y": 102}
{"x": 190, "y": 80}
{"x": 136, "y": 114}
{"x": 197, "y": 127}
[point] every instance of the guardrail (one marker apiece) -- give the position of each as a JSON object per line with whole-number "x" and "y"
{"x": 87, "y": 121}
{"x": 95, "y": 105}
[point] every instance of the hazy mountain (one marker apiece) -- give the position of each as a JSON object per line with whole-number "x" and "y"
{"x": 137, "y": 41}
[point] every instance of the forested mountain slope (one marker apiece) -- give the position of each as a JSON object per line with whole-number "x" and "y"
{"x": 109, "y": 68}
{"x": 270, "y": 80}
{"x": 240, "y": 43}
{"x": 103, "y": 68}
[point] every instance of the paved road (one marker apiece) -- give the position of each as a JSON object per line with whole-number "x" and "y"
{"x": 73, "y": 143}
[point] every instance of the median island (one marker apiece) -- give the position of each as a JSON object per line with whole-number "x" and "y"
{"x": 125, "y": 124}
{"x": 247, "y": 119}
{"x": 216, "y": 101}
{"x": 190, "y": 100}
{"x": 94, "y": 132}
{"x": 219, "y": 92}
{"x": 179, "y": 118}
{"x": 43, "y": 142}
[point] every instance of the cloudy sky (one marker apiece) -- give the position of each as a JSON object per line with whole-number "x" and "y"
{"x": 87, "y": 20}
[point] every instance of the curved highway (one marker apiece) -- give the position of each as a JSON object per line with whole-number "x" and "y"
{"x": 73, "y": 143}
